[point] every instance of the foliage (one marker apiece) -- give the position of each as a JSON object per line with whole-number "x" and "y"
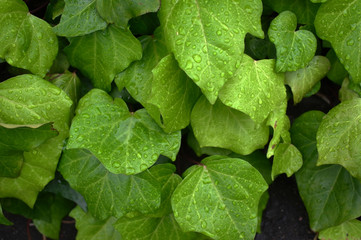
{"x": 98, "y": 98}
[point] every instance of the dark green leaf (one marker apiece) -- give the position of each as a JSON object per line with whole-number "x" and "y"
{"x": 3, "y": 219}
{"x": 350, "y": 230}
{"x": 337, "y": 71}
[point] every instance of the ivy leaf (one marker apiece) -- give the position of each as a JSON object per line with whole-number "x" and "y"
{"x": 26, "y": 41}
{"x": 120, "y": 11}
{"x": 337, "y": 72}
{"x": 124, "y": 142}
{"x": 219, "y": 198}
{"x": 287, "y": 159}
{"x": 340, "y": 25}
{"x": 27, "y": 100}
{"x": 109, "y": 194}
{"x": 102, "y": 54}
{"x": 347, "y": 92}
{"x": 256, "y": 91}
{"x": 3, "y": 219}
{"x": 318, "y": 1}
{"x": 92, "y": 228}
{"x": 295, "y": 49}
{"x": 331, "y": 195}
{"x": 206, "y": 42}
{"x": 220, "y": 126}
{"x": 348, "y": 230}
{"x": 79, "y": 17}
{"x": 15, "y": 139}
{"x": 339, "y": 137}
{"x": 303, "y": 80}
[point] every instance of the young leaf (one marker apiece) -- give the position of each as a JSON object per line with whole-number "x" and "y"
{"x": 339, "y": 24}
{"x": 3, "y": 219}
{"x": 256, "y": 90}
{"x": 303, "y": 80}
{"x": 25, "y": 100}
{"x": 109, "y": 194}
{"x": 350, "y": 230}
{"x": 331, "y": 195}
{"x": 295, "y": 49}
{"x": 219, "y": 198}
{"x": 207, "y": 37}
{"x": 220, "y": 126}
{"x": 339, "y": 137}
{"x": 287, "y": 159}
{"x": 102, "y": 54}
{"x": 80, "y": 17}
{"x": 123, "y": 142}
{"x": 337, "y": 72}
{"x": 120, "y": 11}
{"x": 25, "y": 40}
{"x": 347, "y": 92}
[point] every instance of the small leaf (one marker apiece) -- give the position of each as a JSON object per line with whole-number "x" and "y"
{"x": 206, "y": 42}
{"x": 219, "y": 198}
{"x": 287, "y": 159}
{"x": 103, "y": 54}
{"x": 220, "y": 126}
{"x": 337, "y": 72}
{"x": 3, "y": 219}
{"x": 348, "y": 91}
{"x": 350, "y": 230}
{"x": 79, "y": 17}
{"x": 295, "y": 49}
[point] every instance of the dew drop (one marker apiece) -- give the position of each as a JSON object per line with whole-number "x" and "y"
{"x": 197, "y": 58}
{"x": 350, "y": 42}
{"x": 204, "y": 224}
{"x": 39, "y": 36}
{"x": 189, "y": 65}
{"x": 219, "y": 32}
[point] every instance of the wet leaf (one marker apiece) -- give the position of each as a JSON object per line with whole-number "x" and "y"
{"x": 350, "y": 230}
{"x": 287, "y": 159}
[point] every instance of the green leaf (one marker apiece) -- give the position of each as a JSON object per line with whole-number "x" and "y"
{"x": 339, "y": 137}
{"x": 219, "y": 198}
{"x": 26, "y": 41}
{"x": 303, "y": 80}
{"x": 123, "y": 142}
{"x": 339, "y": 23}
{"x": 15, "y": 140}
{"x": 318, "y": 1}
{"x": 103, "y": 54}
{"x": 55, "y": 8}
{"x": 173, "y": 93}
{"x": 3, "y": 219}
{"x": 256, "y": 91}
{"x": 350, "y": 230}
{"x": 337, "y": 72}
{"x": 261, "y": 207}
{"x": 91, "y": 228}
{"x": 331, "y": 195}
{"x": 109, "y": 194}
{"x": 145, "y": 24}
{"x": 28, "y": 100}
{"x": 347, "y": 93}
{"x": 79, "y": 17}
{"x": 295, "y": 49}
{"x": 287, "y": 159}
{"x": 120, "y": 11}
{"x": 220, "y": 126}
{"x": 207, "y": 38}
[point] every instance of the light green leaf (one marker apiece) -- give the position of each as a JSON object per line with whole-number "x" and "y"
{"x": 25, "y": 100}
{"x": 339, "y": 23}
{"x": 287, "y": 159}
{"x": 90, "y": 228}
{"x": 350, "y": 230}
{"x": 120, "y": 11}
{"x": 261, "y": 207}
{"x": 3, "y": 219}
{"x": 80, "y": 17}
{"x": 102, "y": 54}
{"x": 26, "y": 41}
{"x": 173, "y": 93}
{"x": 109, "y": 194}
{"x": 346, "y": 92}
{"x": 220, "y": 126}
{"x": 303, "y": 80}
{"x": 256, "y": 91}
{"x": 123, "y": 142}
{"x": 219, "y": 198}
{"x": 295, "y": 49}
{"x": 339, "y": 137}
{"x": 207, "y": 37}
{"x": 331, "y": 195}
{"x": 337, "y": 72}
{"x": 318, "y": 1}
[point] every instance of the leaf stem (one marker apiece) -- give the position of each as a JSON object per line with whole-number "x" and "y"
{"x": 40, "y": 7}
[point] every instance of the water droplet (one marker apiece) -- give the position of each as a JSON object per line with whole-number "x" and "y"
{"x": 222, "y": 206}
{"x": 219, "y": 32}
{"x": 189, "y": 65}
{"x": 39, "y": 36}
{"x": 203, "y": 224}
{"x": 197, "y": 58}
{"x": 188, "y": 217}
{"x": 248, "y": 9}
{"x": 143, "y": 167}
{"x": 130, "y": 170}
{"x": 350, "y": 42}
{"x": 204, "y": 49}
{"x": 179, "y": 42}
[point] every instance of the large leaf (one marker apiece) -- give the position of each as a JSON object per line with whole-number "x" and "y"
{"x": 120, "y": 11}
{"x": 350, "y": 230}
{"x": 303, "y": 80}
{"x": 256, "y": 90}
{"x": 339, "y": 23}
{"x": 109, "y": 194}
{"x": 26, "y": 41}
{"x": 207, "y": 37}
{"x": 25, "y": 100}
{"x": 339, "y": 137}
{"x": 102, "y": 54}
{"x": 219, "y": 198}
{"x": 287, "y": 159}
{"x": 80, "y": 17}
{"x": 123, "y": 142}
{"x": 295, "y": 49}
{"x": 220, "y": 126}
{"x": 331, "y": 195}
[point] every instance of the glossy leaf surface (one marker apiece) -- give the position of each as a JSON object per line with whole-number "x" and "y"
{"x": 287, "y": 159}
{"x": 350, "y": 230}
